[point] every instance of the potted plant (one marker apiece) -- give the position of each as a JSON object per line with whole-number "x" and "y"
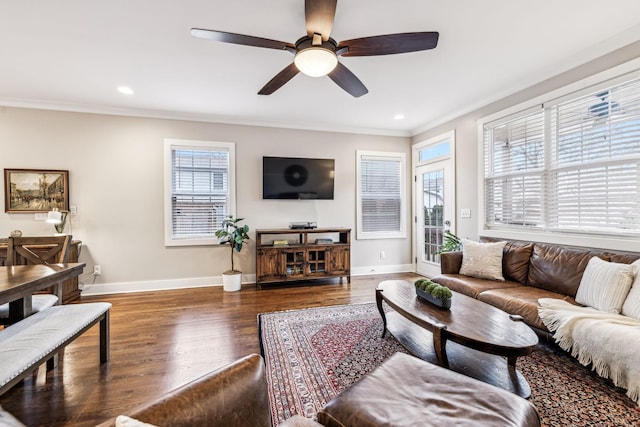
{"x": 433, "y": 292}
{"x": 451, "y": 243}
{"x": 234, "y": 235}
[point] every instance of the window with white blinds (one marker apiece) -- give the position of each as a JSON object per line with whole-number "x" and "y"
{"x": 571, "y": 165}
{"x": 381, "y": 203}
{"x": 200, "y": 192}
{"x": 514, "y": 166}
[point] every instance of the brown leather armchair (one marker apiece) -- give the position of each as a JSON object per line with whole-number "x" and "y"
{"x": 234, "y": 395}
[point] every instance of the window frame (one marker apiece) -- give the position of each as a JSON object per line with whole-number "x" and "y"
{"x": 401, "y": 233}
{"x": 170, "y": 145}
{"x": 601, "y": 80}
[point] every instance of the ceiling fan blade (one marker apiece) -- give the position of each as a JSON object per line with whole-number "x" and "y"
{"x": 221, "y": 36}
{"x": 319, "y": 15}
{"x": 348, "y": 81}
{"x": 390, "y": 44}
{"x": 289, "y": 72}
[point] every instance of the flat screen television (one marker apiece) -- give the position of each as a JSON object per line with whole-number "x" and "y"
{"x": 297, "y": 178}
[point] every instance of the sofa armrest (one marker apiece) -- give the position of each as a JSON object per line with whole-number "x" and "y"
{"x": 234, "y": 395}
{"x": 450, "y": 262}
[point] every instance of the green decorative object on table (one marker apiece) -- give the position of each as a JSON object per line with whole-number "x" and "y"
{"x": 433, "y": 293}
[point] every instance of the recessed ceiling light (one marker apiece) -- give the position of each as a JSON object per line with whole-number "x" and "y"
{"x": 126, "y": 90}
{"x": 398, "y": 116}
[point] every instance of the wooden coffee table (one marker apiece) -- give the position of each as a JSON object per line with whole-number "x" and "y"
{"x": 473, "y": 338}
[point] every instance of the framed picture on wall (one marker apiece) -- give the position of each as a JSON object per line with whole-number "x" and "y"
{"x": 35, "y": 190}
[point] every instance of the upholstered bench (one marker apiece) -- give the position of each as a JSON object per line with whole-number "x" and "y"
{"x": 406, "y": 391}
{"x": 25, "y": 345}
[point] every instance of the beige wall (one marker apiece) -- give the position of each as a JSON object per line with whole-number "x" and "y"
{"x": 468, "y": 185}
{"x": 116, "y": 181}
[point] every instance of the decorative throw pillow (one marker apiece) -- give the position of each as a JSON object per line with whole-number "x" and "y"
{"x": 631, "y": 306}
{"x": 482, "y": 260}
{"x": 124, "y": 421}
{"x": 8, "y": 420}
{"x": 299, "y": 421}
{"x": 605, "y": 285}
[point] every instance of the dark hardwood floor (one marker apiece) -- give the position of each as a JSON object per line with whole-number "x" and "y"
{"x": 161, "y": 340}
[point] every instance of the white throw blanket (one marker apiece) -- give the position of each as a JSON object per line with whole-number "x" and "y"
{"x": 610, "y": 342}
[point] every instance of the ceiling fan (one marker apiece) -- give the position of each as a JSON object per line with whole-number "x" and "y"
{"x": 316, "y": 54}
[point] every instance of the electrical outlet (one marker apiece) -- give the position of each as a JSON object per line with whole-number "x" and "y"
{"x": 97, "y": 270}
{"x": 73, "y": 210}
{"x": 41, "y": 216}
{"x": 382, "y": 255}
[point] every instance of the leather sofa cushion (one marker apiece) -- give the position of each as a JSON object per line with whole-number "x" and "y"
{"x": 450, "y": 262}
{"x": 622, "y": 258}
{"x": 523, "y": 301}
{"x": 515, "y": 261}
{"x": 559, "y": 268}
{"x": 407, "y": 391}
{"x": 472, "y": 286}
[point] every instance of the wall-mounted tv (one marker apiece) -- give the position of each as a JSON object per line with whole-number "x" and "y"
{"x": 297, "y": 178}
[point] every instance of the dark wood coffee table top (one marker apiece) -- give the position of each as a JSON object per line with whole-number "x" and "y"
{"x": 470, "y": 323}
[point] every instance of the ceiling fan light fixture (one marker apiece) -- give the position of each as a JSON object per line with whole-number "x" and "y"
{"x": 316, "y": 53}
{"x": 316, "y": 61}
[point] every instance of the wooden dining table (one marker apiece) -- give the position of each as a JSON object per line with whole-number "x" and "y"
{"x": 19, "y": 282}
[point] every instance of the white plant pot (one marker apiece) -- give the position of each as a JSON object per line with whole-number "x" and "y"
{"x": 232, "y": 282}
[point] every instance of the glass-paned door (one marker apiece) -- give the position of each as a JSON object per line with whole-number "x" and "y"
{"x": 434, "y": 214}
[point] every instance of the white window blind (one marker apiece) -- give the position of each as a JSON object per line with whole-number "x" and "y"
{"x": 200, "y": 191}
{"x": 570, "y": 166}
{"x": 381, "y": 195}
{"x": 594, "y": 176}
{"x": 514, "y": 159}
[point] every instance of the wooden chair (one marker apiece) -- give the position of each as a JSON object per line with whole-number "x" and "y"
{"x": 37, "y": 250}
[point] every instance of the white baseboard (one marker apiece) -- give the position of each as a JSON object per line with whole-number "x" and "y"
{"x": 157, "y": 285}
{"x": 383, "y": 269}
{"x": 201, "y": 282}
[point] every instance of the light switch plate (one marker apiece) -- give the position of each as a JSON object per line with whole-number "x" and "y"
{"x": 465, "y": 213}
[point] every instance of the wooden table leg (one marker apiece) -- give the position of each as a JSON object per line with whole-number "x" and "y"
{"x": 52, "y": 362}
{"x": 440, "y": 345}
{"x": 19, "y": 309}
{"x": 105, "y": 340}
{"x": 381, "y": 310}
{"x": 58, "y": 292}
{"x": 511, "y": 363}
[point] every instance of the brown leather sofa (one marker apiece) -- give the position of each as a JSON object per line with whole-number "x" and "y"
{"x": 531, "y": 271}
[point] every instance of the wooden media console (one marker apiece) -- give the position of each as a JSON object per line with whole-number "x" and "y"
{"x": 284, "y": 255}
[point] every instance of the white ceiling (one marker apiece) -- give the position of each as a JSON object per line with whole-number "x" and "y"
{"x": 73, "y": 54}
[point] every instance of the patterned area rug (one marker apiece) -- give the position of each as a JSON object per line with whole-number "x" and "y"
{"x": 312, "y": 355}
